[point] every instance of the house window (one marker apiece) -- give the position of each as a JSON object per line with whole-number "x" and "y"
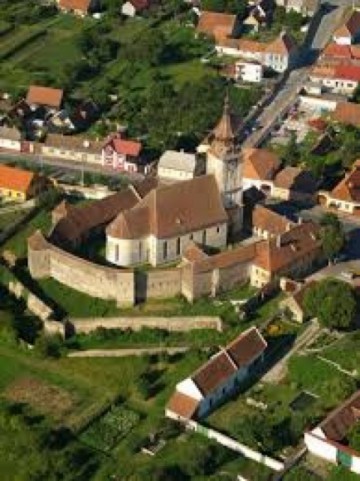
{"x": 178, "y": 246}
{"x": 117, "y": 253}
{"x": 165, "y": 250}
{"x": 191, "y": 237}
{"x": 140, "y": 251}
{"x": 204, "y": 237}
{"x": 218, "y": 229}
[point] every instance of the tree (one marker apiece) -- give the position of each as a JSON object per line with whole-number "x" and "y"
{"x": 332, "y": 302}
{"x": 48, "y": 346}
{"x": 332, "y": 236}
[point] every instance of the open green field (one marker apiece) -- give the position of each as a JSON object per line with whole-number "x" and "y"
{"x": 33, "y": 51}
{"x": 18, "y": 242}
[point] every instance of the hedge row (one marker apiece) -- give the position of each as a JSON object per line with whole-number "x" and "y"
{"x": 13, "y": 49}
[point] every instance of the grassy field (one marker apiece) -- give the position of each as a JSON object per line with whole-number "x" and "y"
{"x": 10, "y": 218}
{"x": 18, "y": 242}
{"x": 40, "y": 54}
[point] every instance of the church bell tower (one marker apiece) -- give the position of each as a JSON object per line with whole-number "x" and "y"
{"x": 224, "y": 161}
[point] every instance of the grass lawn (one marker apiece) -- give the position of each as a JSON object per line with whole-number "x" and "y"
{"x": 345, "y": 352}
{"x": 75, "y": 303}
{"x": 18, "y": 242}
{"x": 83, "y": 383}
{"x": 7, "y": 219}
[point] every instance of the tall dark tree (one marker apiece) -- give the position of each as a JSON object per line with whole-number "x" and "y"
{"x": 332, "y": 236}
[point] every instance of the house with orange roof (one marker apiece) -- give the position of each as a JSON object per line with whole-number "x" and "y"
{"x": 39, "y": 96}
{"x": 18, "y": 184}
{"x": 268, "y": 224}
{"x": 293, "y": 253}
{"x": 345, "y": 197}
{"x": 219, "y": 26}
{"x": 221, "y": 377}
{"x": 78, "y": 7}
{"x": 294, "y": 184}
{"x": 348, "y": 33}
{"x": 260, "y": 167}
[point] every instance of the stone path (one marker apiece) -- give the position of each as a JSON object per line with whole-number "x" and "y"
{"x": 128, "y": 352}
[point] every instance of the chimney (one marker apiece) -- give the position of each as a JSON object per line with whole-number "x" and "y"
{"x": 288, "y": 226}
{"x": 300, "y": 220}
{"x": 278, "y": 241}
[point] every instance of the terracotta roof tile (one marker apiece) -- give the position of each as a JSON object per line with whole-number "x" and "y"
{"x": 177, "y": 209}
{"x": 248, "y": 346}
{"x": 296, "y": 179}
{"x": 342, "y": 419}
{"x": 81, "y": 220}
{"x": 44, "y": 96}
{"x": 218, "y": 25}
{"x": 214, "y": 373}
{"x": 15, "y": 179}
{"x": 270, "y": 221}
{"x": 348, "y": 189}
{"x": 182, "y": 405}
{"x": 294, "y": 245}
{"x": 260, "y": 164}
{"x": 347, "y": 113}
{"x": 239, "y": 353}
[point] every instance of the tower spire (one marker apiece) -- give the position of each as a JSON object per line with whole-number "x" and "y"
{"x": 224, "y": 131}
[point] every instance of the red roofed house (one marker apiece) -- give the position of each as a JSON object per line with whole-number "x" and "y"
{"x": 18, "y": 184}
{"x": 220, "y": 26}
{"x": 199, "y": 394}
{"x": 260, "y": 167}
{"x": 48, "y": 97}
{"x": 122, "y": 154}
{"x": 349, "y": 31}
{"x": 329, "y": 440}
{"x": 345, "y": 197}
{"x": 79, "y": 7}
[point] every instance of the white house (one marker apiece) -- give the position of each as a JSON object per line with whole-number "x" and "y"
{"x": 339, "y": 79}
{"x": 176, "y": 166}
{"x": 248, "y": 71}
{"x": 281, "y": 54}
{"x": 328, "y": 439}
{"x": 199, "y": 394}
{"x": 10, "y": 139}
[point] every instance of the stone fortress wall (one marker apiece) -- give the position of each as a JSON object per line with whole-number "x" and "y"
{"x": 126, "y": 286}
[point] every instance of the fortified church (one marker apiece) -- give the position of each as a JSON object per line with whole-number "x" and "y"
{"x": 205, "y": 210}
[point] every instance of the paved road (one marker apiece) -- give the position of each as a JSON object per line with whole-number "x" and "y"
{"x": 128, "y": 352}
{"x": 68, "y": 166}
{"x": 321, "y": 28}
